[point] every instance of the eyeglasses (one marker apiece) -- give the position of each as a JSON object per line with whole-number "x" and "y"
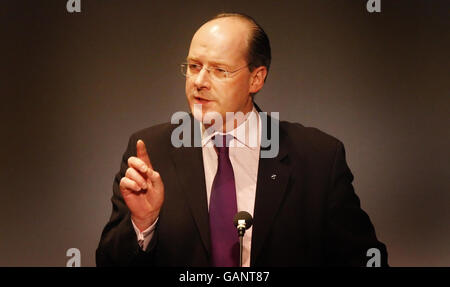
{"x": 216, "y": 73}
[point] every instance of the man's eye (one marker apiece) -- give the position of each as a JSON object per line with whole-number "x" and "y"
{"x": 220, "y": 71}
{"x": 195, "y": 67}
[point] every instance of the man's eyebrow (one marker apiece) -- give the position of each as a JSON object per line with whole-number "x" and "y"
{"x": 191, "y": 59}
{"x": 214, "y": 63}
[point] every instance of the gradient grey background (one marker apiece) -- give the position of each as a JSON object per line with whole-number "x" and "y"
{"x": 75, "y": 86}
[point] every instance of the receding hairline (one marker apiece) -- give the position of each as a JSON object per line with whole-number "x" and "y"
{"x": 240, "y": 17}
{"x": 250, "y": 24}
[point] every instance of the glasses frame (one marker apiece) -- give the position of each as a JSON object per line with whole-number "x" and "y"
{"x": 209, "y": 69}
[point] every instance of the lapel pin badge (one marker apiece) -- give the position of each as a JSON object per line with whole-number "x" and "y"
{"x": 274, "y": 176}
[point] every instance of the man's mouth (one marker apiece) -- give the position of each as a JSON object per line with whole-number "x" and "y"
{"x": 202, "y": 101}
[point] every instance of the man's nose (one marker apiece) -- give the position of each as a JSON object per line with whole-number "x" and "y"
{"x": 202, "y": 79}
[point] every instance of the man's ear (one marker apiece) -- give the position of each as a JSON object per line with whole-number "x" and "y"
{"x": 257, "y": 79}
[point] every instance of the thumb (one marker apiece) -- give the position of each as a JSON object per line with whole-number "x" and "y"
{"x": 141, "y": 153}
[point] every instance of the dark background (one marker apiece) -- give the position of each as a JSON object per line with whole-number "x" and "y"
{"x": 74, "y": 87}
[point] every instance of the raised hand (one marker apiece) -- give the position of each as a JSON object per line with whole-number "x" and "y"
{"x": 142, "y": 188}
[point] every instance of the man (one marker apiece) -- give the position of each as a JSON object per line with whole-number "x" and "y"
{"x": 173, "y": 206}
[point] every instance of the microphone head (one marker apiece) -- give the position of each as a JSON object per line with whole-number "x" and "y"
{"x": 243, "y": 215}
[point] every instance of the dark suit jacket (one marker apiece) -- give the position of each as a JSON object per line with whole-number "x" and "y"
{"x": 308, "y": 215}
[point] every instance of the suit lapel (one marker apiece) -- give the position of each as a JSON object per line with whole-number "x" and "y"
{"x": 272, "y": 180}
{"x": 189, "y": 168}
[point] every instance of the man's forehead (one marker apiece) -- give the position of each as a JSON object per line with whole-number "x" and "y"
{"x": 220, "y": 40}
{"x": 230, "y": 27}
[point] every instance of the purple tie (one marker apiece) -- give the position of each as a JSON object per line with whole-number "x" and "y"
{"x": 222, "y": 208}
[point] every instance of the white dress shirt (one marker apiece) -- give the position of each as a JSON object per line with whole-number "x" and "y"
{"x": 244, "y": 156}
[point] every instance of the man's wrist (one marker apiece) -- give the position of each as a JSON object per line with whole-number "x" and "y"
{"x": 144, "y": 223}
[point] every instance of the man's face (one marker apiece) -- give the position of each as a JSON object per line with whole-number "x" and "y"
{"x": 220, "y": 43}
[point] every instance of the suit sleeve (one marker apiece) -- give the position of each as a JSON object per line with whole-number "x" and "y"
{"x": 118, "y": 243}
{"x": 349, "y": 231}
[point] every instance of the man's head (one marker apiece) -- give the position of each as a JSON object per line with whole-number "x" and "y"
{"x": 236, "y": 44}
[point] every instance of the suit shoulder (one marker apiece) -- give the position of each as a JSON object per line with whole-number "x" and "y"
{"x": 309, "y": 137}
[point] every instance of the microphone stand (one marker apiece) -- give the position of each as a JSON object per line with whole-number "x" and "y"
{"x": 241, "y": 231}
{"x": 241, "y": 243}
{"x": 242, "y": 220}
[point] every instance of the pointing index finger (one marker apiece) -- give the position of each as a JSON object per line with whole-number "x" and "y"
{"x": 141, "y": 153}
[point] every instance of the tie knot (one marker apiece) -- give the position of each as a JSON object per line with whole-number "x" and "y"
{"x": 222, "y": 142}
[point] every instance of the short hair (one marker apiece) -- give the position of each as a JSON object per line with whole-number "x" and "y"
{"x": 259, "y": 53}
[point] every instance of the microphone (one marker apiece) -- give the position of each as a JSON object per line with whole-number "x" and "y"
{"x": 243, "y": 221}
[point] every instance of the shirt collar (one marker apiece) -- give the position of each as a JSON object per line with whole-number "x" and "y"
{"x": 247, "y": 134}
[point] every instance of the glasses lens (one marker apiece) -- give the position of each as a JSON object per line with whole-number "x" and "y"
{"x": 219, "y": 73}
{"x": 190, "y": 70}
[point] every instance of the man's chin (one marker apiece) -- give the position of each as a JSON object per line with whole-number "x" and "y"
{"x": 206, "y": 115}
{"x": 199, "y": 111}
{"x": 198, "y": 115}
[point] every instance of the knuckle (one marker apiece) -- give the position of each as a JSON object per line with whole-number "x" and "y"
{"x": 130, "y": 185}
{"x": 136, "y": 186}
{"x": 129, "y": 172}
{"x": 123, "y": 184}
{"x": 130, "y": 162}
